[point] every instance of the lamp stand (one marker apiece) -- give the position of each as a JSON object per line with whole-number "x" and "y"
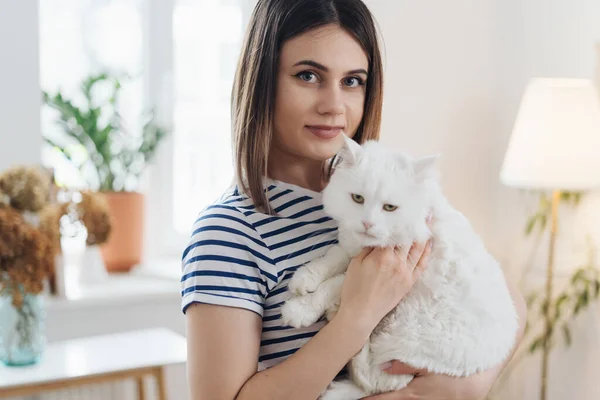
{"x": 549, "y": 277}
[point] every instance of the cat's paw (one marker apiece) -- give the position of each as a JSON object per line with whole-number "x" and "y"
{"x": 304, "y": 281}
{"x": 299, "y": 312}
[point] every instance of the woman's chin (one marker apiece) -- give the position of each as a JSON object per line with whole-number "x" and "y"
{"x": 324, "y": 149}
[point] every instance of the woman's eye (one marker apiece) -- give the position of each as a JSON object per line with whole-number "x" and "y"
{"x": 353, "y": 81}
{"x": 358, "y": 198}
{"x": 307, "y": 76}
{"x": 389, "y": 207}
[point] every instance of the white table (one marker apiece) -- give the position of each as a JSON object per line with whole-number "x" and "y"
{"x": 98, "y": 359}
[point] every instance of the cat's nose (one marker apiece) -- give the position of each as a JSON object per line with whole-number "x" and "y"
{"x": 367, "y": 224}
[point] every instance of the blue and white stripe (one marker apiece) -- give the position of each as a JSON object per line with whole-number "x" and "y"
{"x": 240, "y": 257}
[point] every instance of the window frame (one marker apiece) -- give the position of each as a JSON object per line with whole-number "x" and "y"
{"x": 162, "y": 240}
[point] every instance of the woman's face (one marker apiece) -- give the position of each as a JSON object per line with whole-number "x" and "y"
{"x": 320, "y": 93}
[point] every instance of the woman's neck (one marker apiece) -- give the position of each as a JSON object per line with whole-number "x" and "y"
{"x": 308, "y": 174}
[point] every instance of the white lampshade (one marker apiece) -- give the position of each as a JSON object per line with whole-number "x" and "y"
{"x": 555, "y": 142}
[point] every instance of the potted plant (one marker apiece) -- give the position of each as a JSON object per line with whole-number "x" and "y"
{"x": 581, "y": 290}
{"x": 109, "y": 158}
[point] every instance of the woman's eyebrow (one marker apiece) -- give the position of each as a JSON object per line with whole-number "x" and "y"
{"x": 323, "y": 68}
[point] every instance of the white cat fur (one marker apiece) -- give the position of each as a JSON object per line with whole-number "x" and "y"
{"x": 458, "y": 319}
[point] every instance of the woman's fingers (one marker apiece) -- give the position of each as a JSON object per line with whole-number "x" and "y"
{"x": 396, "y": 367}
{"x": 423, "y": 260}
{"x": 414, "y": 254}
{"x": 417, "y": 249}
{"x": 364, "y": 253}
{"x": 402, "y": 252}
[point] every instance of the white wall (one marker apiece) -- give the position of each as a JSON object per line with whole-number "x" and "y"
{"x": 20, "y": 138}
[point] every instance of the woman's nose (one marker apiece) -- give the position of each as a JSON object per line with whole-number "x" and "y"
{"x": 331, "y": 101}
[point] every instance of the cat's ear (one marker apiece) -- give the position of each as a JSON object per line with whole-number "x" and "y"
{"x": 424, "y": 168}
{"x": 350, "y": 152}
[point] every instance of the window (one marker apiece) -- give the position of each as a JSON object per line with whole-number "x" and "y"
{"x": 81, "y": 37}
{"x": 207, "y": 38}
{"x": 182, "y": 54}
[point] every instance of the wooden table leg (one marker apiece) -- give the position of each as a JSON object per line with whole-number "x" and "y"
{"x": 160, "y": 383}
{"x": 141, "y": 390}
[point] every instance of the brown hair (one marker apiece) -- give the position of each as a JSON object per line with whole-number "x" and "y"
{"x": 273, "y": 22}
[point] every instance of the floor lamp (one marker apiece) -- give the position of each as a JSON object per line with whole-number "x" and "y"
{"x": 555, "y": 146}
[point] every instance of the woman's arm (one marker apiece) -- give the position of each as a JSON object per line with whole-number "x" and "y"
{"x": 224, "y": 342}
{"x": 222, "y": 357}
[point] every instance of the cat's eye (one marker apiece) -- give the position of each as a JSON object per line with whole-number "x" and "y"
{"x": 389, "y": 207}
{"x": 358, "y": 198}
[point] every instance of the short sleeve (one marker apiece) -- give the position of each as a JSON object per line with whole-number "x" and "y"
{"x": 226, "y": 262}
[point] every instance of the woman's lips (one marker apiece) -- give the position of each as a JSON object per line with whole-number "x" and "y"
{"x": 325, "y": 131}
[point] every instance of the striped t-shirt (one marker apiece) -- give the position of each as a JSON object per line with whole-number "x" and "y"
{"x": 240, "y": 257}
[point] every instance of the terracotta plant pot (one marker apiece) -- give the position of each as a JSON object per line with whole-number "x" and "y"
{"x": 123, "y": 250}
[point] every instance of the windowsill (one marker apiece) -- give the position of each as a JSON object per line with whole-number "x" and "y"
{"x": 155, "y": 281}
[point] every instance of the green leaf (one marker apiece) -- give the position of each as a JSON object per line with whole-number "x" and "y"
{"x": 537, "y": 343}
{"x": 579, "y": 275}
{"x": 561, "y": 300}
{"x": 578, "y": 305}
{"x": 531, "y": 298}
{"x": 90, "y": 82}
{"x": 550, "y": 331}
{"x": 596, "y": 288}
{"x": 530, "y": 224}
{"x": 585, "y": 297}
{"x": 55, "y": 145}
{"x": 558, "y": 306}
{"x": 62, "y": 149}
{"x": 544, "y": 221}
{"x": 567, "y": 334}
{"x": 544, "y": 307}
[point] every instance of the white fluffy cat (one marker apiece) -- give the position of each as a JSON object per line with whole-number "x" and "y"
{"x": 458, "y": 319}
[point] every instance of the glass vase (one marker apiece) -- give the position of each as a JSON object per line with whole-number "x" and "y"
{"x": 22, "y": 330}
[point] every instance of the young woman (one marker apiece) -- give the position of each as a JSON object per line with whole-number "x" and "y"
{"x": 309, "y": 70}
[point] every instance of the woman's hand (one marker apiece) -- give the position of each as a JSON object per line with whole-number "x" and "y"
{"x": 430, "y": 386}
{"x": 377, "y": 279}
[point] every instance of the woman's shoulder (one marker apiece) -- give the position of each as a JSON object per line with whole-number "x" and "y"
{"x": 226, "y": 229}
{"x": 231, "y": 199}
{"x": 231, "y": 209}
{"x": 290, "y": 204}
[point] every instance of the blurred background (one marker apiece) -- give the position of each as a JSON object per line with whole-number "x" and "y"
{"x": 131, "y": 97}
